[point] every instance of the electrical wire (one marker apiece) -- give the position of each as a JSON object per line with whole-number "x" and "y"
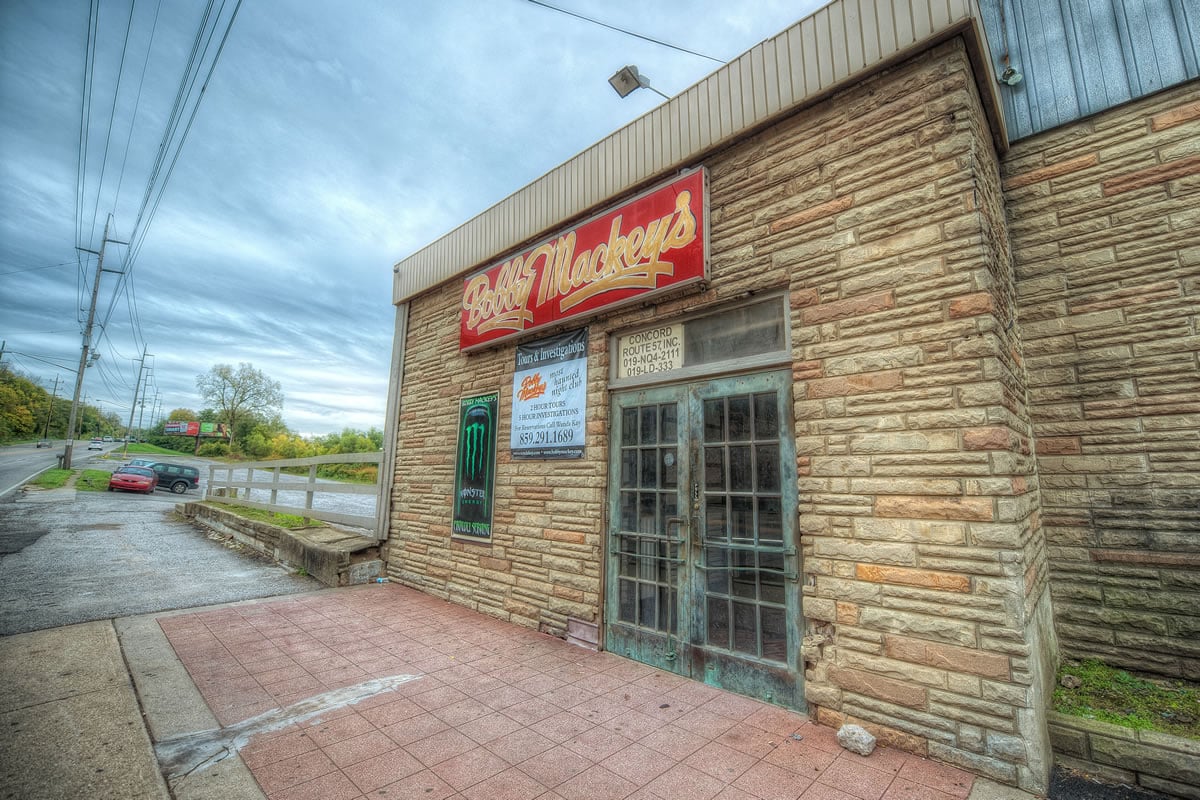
{"x": 625, "y": 31}
{"x": 112, "y": 114}
{"x": 35, "y": 269}
{"x": 85, "y": 114}
{"x": 139, "y": 234}
{"x": 137, "y": 103}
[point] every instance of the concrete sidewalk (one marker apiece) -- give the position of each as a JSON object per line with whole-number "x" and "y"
{"x": 289, "y": 699}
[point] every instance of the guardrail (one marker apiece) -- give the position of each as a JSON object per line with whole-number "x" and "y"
{"x": 238, "y": 491}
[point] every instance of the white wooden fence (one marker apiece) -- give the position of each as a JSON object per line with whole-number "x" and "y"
{"x": 249, "y": 490}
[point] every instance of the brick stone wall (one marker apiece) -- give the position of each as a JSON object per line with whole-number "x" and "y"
{"x": 925, "y": 602}
{"x": 1105, "y": 220}
{"x": 543, "y": 564}
{"x": 925, "y": 595}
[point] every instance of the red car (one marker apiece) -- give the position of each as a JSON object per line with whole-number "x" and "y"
{"x": 134, "y": 479}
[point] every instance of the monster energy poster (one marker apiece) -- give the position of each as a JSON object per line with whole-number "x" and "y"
{"x": 475, "y": 466}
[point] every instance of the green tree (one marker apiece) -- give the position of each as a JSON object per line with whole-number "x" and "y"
{"x": 238, "y": 394}
{"x": 182, "y": 415}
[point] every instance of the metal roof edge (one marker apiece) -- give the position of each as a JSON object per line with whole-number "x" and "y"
{"x": 820, "y": 54}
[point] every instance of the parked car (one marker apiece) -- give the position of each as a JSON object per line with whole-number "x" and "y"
{"x": 133, "y": 479}
{"x": 95, "y": 444}
{"x": 44, "y": 443}
{"x": 140, "y": 462}
{"x": 176, "y": 477}
{"x": 108, "y": 438}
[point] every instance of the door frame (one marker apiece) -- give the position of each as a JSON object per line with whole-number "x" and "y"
{"x": 686, "y": 651}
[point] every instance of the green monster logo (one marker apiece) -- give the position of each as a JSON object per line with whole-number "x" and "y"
{"x": 475, "y": 437}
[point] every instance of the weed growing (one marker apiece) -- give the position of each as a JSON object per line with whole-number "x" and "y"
{"x": 289, "y": 521}
{"x": 1113, "y": 695}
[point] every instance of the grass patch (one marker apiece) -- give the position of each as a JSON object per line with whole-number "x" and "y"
{"x": 92, "y": 480}
{"x": 1113, "y": 695}
{"x": 52, "y": 479}
{"x": 289, "y": 521}
{"x": 141, "y": 449}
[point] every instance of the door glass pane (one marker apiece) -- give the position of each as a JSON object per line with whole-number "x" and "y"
{"x": 649, "y": 431}
{"x": 766, "y": 416}
{"x": 669, "y": 469}
{"x": 666, "y": 606}
{"x": 716, "y": 526}
{"x": 628, "y": 469}
{"x": 766, "y": 457}
{"x": 629, "y": 511}
{"x": 649, "y": 606}
{"x": 774, "y": 634}
{"x": 770, "y": 579}
{"x": 770, "y": 521}
{"x": 741, "y": 475}
{"x": 714, "y": 420}
{"x": 647, "y": 502}
{"x": 745, "y": 628}
{"x": 628, "y": 565}
{"x": 628, "y": 601}
{"x": 744, "y": 583}
{"x": 742, "y": 518}
{"x": 668, "y": 506}
{"x": 649, "y": 469}
{"x": 739, "y": 419}
{"x": 718, "y": 622}
{"x": 714, "y": 469}
{"x": 716, "y": 559}
{"x": 629, "y": 427}
{"x": 668, "y": 427}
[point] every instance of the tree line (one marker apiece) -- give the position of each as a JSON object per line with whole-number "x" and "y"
{"x": 28, "y": 411}
{"x": 245, "y": 400}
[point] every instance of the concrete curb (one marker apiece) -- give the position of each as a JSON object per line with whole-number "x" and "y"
{"x": 71, "y": 720}
{"x": 173, "y": 706}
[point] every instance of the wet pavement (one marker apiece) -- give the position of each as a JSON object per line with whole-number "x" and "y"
{"x": 72, "y": 557}
{"x": 489, "y": 710}
{"x": 374, "y": 692}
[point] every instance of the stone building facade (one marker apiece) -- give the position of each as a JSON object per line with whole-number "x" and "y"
{"x": 1105, "y": 220}
{"x": 985, "y": 367}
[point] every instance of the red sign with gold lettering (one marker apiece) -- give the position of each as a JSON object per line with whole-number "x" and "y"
{"x": 656, "y": 242}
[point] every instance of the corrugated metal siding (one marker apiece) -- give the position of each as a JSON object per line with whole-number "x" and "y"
{"x": 842, "y": 41}
{"x": 1080, "y": 57}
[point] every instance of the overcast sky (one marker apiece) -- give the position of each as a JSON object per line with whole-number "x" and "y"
{"x": 333, "y": 140}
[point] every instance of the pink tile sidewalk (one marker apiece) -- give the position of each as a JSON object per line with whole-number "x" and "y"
{"x": 503, "y": 713}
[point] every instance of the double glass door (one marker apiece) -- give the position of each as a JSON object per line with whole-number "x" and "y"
{"x": 703, "y": 568}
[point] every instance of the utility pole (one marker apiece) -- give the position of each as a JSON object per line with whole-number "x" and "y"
{"x": 142, "y": 413}
{"x": 87, "y": 343}
{"x": 133, "y": 406}
{"x": 50, "y": 410}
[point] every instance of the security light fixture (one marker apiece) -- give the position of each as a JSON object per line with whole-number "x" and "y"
{"x": 1010, "y": 76}
{"x": 628, "y": 78}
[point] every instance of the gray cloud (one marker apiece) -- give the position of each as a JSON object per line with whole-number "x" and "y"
{"x": 333, "y": 140}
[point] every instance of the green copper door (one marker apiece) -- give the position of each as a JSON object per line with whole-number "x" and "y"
{"x": 703, "y": 565}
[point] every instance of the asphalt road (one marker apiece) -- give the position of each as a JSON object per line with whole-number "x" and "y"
{"x": 19, "y": 463}
{"x": 69, "y": 557}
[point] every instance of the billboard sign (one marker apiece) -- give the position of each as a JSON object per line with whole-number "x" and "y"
{"x": 207, "y": 429}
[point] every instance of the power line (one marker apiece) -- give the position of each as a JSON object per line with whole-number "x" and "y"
{"x": 35, "y": 269}
{"x": 634, "y": 34}
{"x": 136, "y": 237}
